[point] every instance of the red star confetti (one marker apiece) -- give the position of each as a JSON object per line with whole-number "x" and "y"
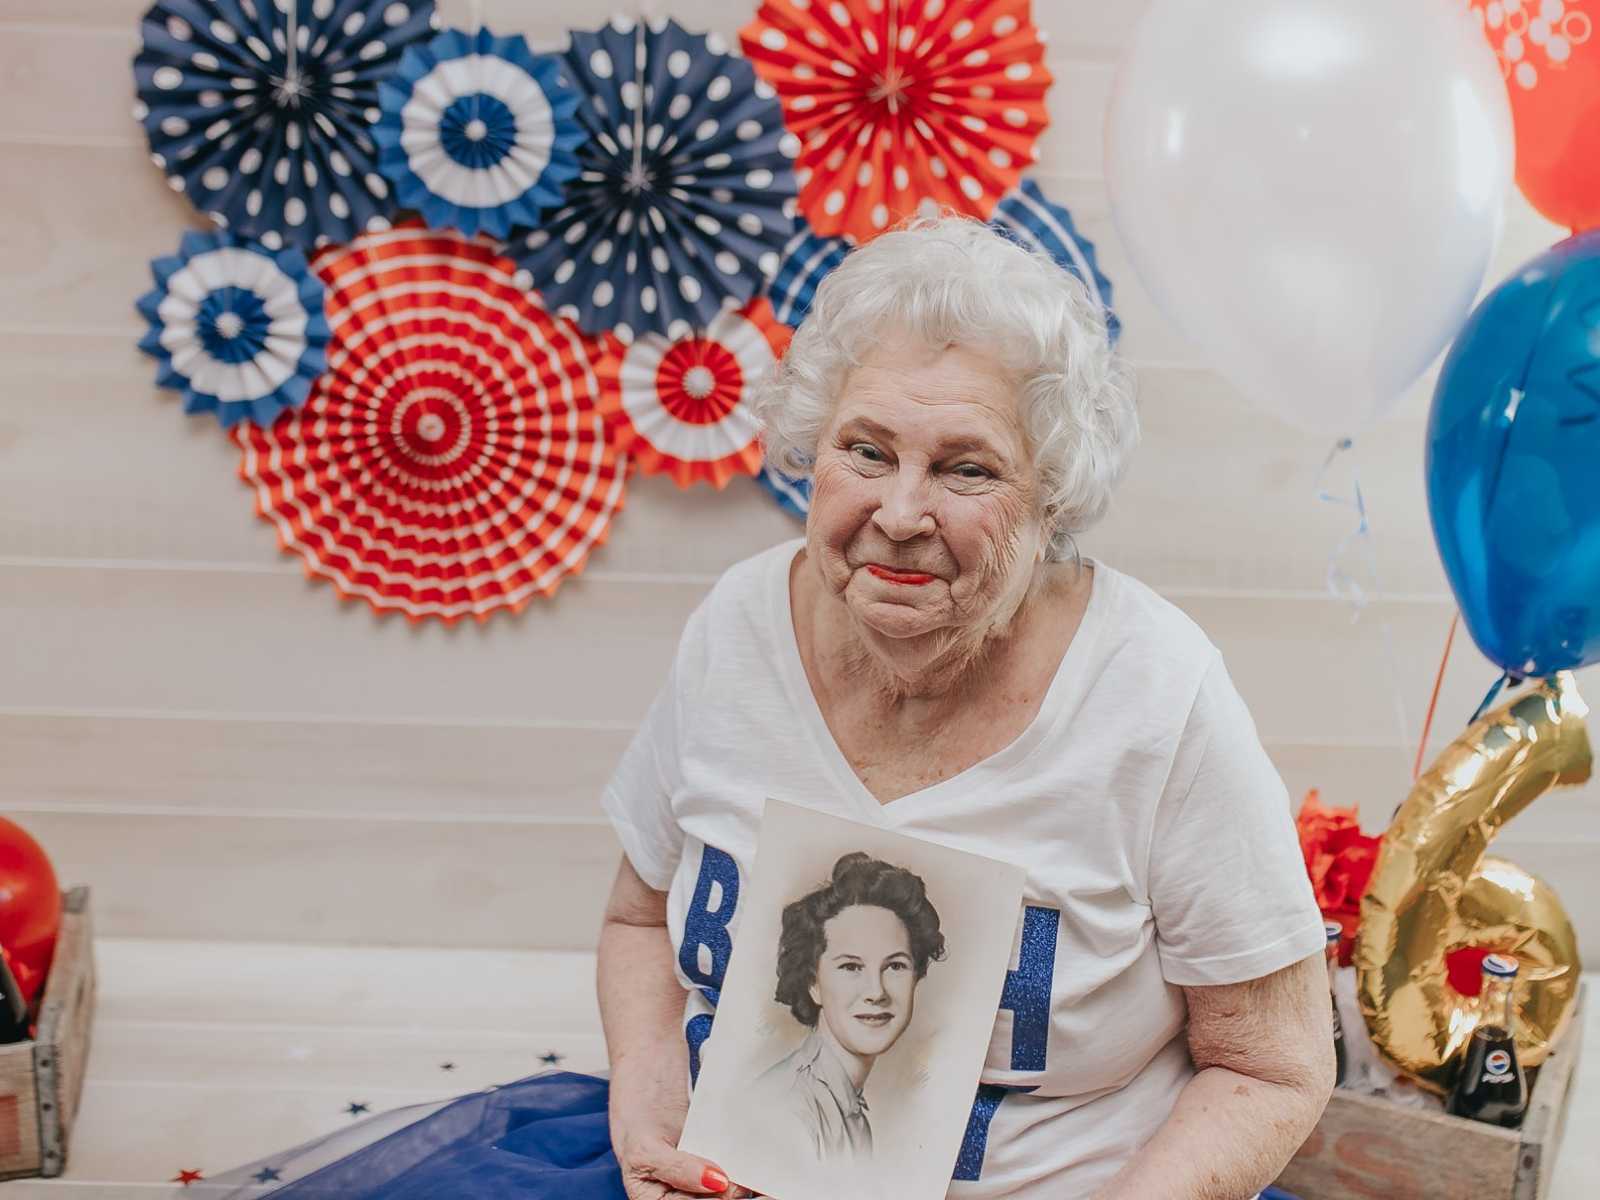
{"x": 187, "y": 1177}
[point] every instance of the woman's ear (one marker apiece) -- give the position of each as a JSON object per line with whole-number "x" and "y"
{"x": 816, "y": 995}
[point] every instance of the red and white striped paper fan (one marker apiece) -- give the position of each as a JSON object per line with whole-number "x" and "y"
{"x": 452, "y": 460}
{"x": 677, "y": 406}
{"x": 902, "y": 106}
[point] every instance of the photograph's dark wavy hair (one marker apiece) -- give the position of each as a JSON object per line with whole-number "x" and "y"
{"x": 857, "y": 879}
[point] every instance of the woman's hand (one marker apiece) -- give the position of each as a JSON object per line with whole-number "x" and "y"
{"x": 641, "y": 1006}
{"x": 648, "y": 1105}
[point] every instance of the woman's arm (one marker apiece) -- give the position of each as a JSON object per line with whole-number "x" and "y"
{"x": 641, "y": 1007}
{"x": 1264, "y": 1050}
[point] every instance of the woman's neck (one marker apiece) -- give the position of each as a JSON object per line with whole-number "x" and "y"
{"x": 856, "y": 1066}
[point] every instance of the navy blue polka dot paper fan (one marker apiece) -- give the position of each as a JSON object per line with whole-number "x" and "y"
{"x": 261, "y": 111}
{"x": 1026, "y": 216}
{"x": 478, "y": 132}
{"x": 239, "y": 330}
{"x": 685, "y": 195}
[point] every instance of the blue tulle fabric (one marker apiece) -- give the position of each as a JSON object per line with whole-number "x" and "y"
{"x": 541, "y": 1138}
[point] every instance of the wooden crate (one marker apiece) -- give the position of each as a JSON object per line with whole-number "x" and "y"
{"x": 42, "y": 1080}
{"x": 1365, "y": 1147}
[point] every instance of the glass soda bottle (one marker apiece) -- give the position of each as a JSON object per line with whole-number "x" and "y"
{"x": 13, "y": 1012}
{"x": 1333, "y": 932}
{"x": 1491, "y": 1086}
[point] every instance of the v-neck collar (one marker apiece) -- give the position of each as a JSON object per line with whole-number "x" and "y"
{"x": 1067, "y": 682}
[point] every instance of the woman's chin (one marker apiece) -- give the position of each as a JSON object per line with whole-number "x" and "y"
{"x": 897, "y": 619}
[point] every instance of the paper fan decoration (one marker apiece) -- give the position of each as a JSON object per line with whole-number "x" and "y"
{"x": 903, "y": 107}
{"x": 1025, "y": 216}
{"x": 237, "y": 328}
{"x": 686, "y": 193}
{"x": 805, "y": 262}
{"x": 678, "y": 407}
{"x": 270, "y": 135}
{"x": 477, "y": 132}
{"x": 452, "y": 459}
{"x": 793, "y": 495}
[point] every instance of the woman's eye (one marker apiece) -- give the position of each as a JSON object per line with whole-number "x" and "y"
{"x": 867, "y": 451}
{"x": 849, "y": 966}
{"x": 898, "y": 966}
{"x": 971, "y": 471}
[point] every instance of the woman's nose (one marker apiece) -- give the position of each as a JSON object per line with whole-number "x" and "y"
{"x": 905, "y": 510}
{"x": 877, "y": 989}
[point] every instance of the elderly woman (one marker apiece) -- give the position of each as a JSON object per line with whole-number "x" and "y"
{"x": 935, "y": 656}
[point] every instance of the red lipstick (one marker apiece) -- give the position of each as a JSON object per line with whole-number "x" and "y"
{"x": 883, "y": 572}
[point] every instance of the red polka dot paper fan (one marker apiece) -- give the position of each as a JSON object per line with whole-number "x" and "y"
{"x": 678, "y": 406}
{"x": 903, "y": 106}
{"x": 452, "y": 459}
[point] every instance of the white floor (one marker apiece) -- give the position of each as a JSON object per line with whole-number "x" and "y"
{"x": 207, "y": 1056}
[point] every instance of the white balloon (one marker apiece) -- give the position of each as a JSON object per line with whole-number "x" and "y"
{"x": 1311, "y": 189}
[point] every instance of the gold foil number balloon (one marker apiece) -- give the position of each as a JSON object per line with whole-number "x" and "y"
{"x": 1435, "y": 890}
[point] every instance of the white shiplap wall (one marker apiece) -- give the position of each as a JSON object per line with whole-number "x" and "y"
{"x": 226, "y": 751}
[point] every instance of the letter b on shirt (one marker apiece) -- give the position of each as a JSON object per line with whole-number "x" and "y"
{"x": 707, "y": 944}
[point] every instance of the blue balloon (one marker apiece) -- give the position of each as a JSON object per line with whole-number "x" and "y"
{"x": 1513, "y": 465}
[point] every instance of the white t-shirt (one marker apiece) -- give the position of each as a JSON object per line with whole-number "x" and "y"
{"x": 1156, "y": 834}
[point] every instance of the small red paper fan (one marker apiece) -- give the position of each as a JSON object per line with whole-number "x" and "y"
{"x": 452, "y": 460}
{"x": 903, "y": 106}
{"x": 677, "y": 407}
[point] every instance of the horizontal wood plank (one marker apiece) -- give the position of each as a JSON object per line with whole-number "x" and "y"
{"x": 376, "y": 883}
{"x": 502, "y": 773}
{"x": 444, "y": 773}
{"x": 230, "y": 643}
{"x": 293, "y": 1057}
{"x": 395, "y": 883}
{"x": 514, "y": 993}
{"x": 226, "y": 643}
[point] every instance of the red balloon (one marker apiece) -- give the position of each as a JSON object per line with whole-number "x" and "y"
{"x": 30, "y": 907}
{"x": 1549, "y": 52}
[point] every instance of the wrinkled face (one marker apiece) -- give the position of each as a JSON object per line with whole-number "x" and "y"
{"x": 866, "y": 980}
{"x": 924, "y": 505}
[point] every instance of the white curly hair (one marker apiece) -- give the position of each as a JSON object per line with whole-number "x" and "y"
{"x": 954, "y": 280}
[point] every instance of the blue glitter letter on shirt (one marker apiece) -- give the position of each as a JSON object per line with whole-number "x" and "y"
{"x": 969, "y": 1163}
{"x": 708, "y": 927}
{"x": 1027, "y": 992}
{"x": 703, "y": 926}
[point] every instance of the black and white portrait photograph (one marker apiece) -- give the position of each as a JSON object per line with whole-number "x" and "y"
{"x": 858, "y": 1007}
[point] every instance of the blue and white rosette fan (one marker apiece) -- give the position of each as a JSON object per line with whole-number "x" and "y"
{"x": 237, "y": 328}
{"x": 793, "y": 495}
{"x": 260, "y": 111}
{"x": 1025, "y": 216}
{"x": 478, "y": 132}
{"x": 805, "y": 262}
{"x": 686, "y": 192}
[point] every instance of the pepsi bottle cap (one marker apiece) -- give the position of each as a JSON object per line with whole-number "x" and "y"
{"x": 1501, "y": 966}
{"x": 1332, "y": 931}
